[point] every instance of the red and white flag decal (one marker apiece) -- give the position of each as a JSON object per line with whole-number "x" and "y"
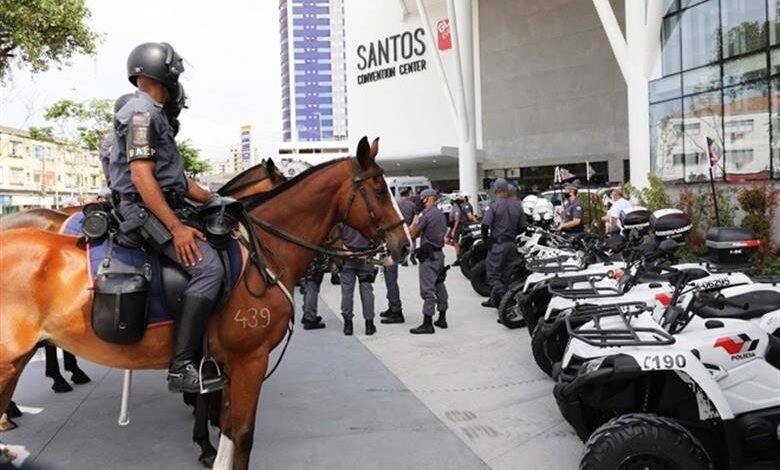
{"x": 714, "y": 151}
{"x": 445, "y": 38}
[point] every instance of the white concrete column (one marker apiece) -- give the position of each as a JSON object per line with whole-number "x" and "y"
{"x": 634, "y": 57}
{"x": 462, "y": 28}
{"x": 637, "y": 41}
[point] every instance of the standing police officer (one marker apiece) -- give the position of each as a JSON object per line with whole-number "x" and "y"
{"x": 365, "y": 274}
{"x": 311, "y": 290}
{"x": 431, "y": 226}
{"x": 147, "y": 176}
{"x": 502, "y": 221}
{"x": 394, "y": 312}
{"x": 572, "y": 212}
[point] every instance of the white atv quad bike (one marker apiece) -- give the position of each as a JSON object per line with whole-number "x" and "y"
{"x": 528, "y": 302}
{"x": 699, "y": 391}
{"x": 642, "y": 282}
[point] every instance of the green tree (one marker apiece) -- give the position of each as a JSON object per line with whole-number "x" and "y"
{"x": 42, "y": 33}
{"x": 193, "y": 164}
{"x": 82, "y": 123}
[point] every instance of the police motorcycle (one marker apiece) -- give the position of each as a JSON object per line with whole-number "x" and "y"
{"x": 693, "y": 385}
{"x": 524, "y": 303}
{"x": 471, "y": 236}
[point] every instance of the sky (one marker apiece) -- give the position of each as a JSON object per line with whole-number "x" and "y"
{"x": 231, "y": 52}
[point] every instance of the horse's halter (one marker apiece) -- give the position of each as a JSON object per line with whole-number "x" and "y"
{"x": 359, "y": 187}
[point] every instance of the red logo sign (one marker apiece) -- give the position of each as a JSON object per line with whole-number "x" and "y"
{"x": 736, "y": 344}
{"x": 445, "y": 38}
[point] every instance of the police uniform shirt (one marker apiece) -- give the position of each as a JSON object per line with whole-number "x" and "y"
{"x": 466, "y": 209}
{"x": 455, "y": 214}
{"x": 573, "y": 210}
{"x": 105, "y": 153}
{"x": 433, "y": 226}
{"x": 353, "y": 239}
{"x": 503, "y": 217}
{"x": 151, "y": 139}
{"x": 406, "y": 206}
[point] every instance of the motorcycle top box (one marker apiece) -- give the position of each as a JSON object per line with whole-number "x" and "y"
{"x": 636, "y": 218}
{"x": 732, "y": 245}
{"x": 670, "y": 224}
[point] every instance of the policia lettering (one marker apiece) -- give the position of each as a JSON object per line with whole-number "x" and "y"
{"x": 386, "y": 51}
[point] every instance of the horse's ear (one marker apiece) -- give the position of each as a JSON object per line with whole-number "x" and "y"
{"x": 270, "y": 166}
{"x": 364, "y": 153}
{"x": 374, "y": 148}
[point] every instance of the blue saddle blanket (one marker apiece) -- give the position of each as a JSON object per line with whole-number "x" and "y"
{"x": 158, "y": 314}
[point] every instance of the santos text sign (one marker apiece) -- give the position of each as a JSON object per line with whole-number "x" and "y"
{"x": 383, "y": 55}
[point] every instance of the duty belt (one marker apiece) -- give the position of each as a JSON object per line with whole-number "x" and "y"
{"x": 174, "y": 199}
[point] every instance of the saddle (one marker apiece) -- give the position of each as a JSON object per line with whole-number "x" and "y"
{"x": 135, "y": 287}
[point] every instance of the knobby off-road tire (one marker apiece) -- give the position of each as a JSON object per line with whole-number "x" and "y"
{"x": 508, "y": 311}
{"x": 537, "y": 348}
{"x": 638, "y": 441}
{"x": 479, "y": 279}
{"x": 465, "y": 264}
{"x": 533, "y": 314}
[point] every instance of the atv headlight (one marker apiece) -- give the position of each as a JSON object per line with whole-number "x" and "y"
{"x": 592, "y": 365}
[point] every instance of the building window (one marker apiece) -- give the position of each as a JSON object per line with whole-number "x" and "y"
{"x": 700, "y": 35}
{"x": 730, "y": 93}
{"x": 16, "y": 149}
{"x": 744, "y": 26}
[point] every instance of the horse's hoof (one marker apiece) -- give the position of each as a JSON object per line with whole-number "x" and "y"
{"x": 6, "y": 424}
{"x": 207, "y": 460}
{"x": 61, "y": 387}
{"x": 7, "y": 454}
{"x": 79, "y": 377}
{"x": 13, "y": 411}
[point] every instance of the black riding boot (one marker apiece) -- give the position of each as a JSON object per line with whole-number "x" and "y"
{"x": 441, "y": 322}
{"x": 426, "y": 328}
{"x": 370, "y": 327}
{"x": 189, "y": 329}
{"x": 348, "y": 328}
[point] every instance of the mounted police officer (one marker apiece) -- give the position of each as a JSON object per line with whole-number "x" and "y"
{"x": 431, "y": 227}
{"x": 572, "y": 212}
{"x": 503, "y": 220}
{"x": 362, "y": 272}
{"x": 148, "y": 180}
{"x": 394, "y": 312}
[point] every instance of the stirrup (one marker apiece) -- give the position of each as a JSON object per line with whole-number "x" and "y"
{"x": 213, "y": 384}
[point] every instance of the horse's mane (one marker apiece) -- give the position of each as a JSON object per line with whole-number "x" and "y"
{"x": 257, "y": 199}
{"x": 239, "y": 178}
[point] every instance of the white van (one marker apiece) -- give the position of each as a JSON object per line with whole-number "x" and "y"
{"x": 416, "y": 184}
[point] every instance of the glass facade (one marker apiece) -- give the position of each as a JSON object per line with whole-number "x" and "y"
{"x": 720, "y": 83}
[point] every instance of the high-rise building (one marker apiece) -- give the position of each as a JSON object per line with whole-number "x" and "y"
{"x": 313, "y": 67}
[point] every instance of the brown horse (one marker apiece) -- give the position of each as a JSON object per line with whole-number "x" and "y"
{"x": 45, "y": 285}
{"x": 260, "y": 178}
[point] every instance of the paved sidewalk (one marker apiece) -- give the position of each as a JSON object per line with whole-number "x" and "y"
{"x": 319, "y": 411}
{"x": 477, "y": 377}
{"x": 469, "y": 397}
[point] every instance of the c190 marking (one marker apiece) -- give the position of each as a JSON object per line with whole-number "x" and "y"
{"x": 665, "y": 361}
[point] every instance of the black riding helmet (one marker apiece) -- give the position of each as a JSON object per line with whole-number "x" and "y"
{"x": 173, "y": 107}
{"x": 157, "y": 60}
{"x": 122, "y": 101}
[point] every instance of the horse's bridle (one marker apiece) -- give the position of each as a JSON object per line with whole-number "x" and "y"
{"x": 358, "y": 187}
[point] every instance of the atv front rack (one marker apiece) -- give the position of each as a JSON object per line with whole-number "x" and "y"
{"x": 555, "y": 264}
{"x": 565, "y": 287}
{"x": 625, "y": 333}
